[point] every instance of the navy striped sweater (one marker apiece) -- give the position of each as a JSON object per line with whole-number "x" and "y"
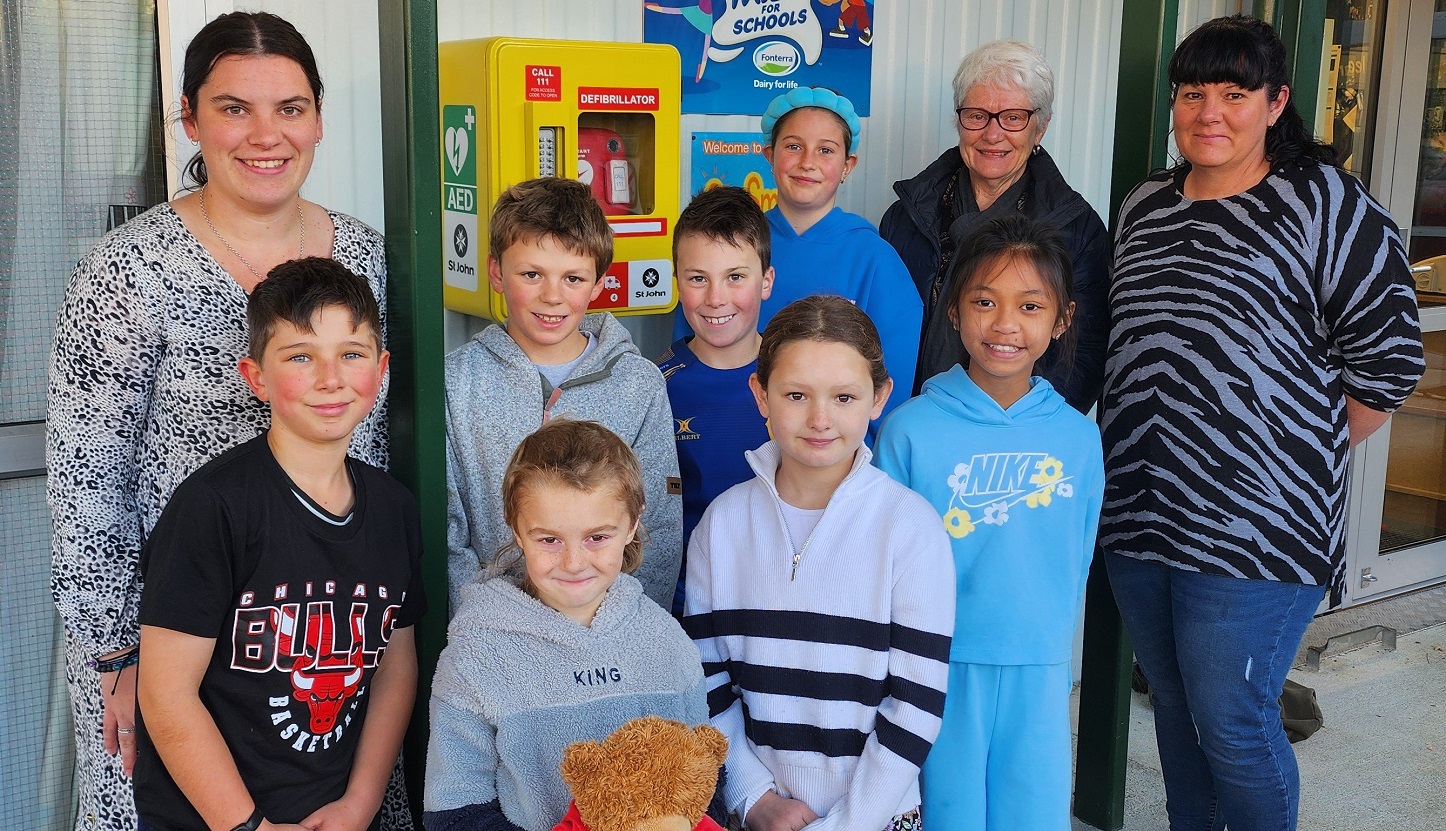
{"x": 829, "y": 680}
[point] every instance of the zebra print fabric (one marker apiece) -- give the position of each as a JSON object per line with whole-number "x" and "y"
{"x": 1238, "y": 327}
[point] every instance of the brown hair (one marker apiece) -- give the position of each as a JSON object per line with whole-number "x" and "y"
{"x": 583, "y": 455}
{"x": 848, "y": 136}
{"x": 297, "y": 290}
{"x": 822, "y": 318}
{"x": 560, "y": 209}
{"x": 725, "y": 214}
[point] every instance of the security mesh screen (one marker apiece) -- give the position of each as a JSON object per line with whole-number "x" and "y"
{"x": 79, "y": 133}
{"x": 36, "y": 746}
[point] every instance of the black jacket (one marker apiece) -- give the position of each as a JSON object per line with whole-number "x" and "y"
{"x": 911, "y": 226}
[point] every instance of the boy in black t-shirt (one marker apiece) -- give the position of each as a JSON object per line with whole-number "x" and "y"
{"x": 278, "y": 664}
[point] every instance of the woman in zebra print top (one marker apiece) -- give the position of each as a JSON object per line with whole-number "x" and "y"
{"x": 1263, "y": 322}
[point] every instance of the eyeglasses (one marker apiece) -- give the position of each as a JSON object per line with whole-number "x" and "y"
{"x": 1010, "y": 121}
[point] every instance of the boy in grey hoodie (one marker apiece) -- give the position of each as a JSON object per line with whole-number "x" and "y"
{"x": 549, "y": 244}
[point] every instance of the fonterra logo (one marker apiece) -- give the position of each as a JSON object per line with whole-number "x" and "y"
{"x": 776, "y": 58}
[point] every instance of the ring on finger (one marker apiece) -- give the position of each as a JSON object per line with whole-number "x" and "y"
{"x": 125, "y": 731}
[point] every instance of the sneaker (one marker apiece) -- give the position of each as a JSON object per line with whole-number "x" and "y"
{"x": 867, "y": 37}
{"x": 1137, "y": 680}
{"x": 838, "y": 31}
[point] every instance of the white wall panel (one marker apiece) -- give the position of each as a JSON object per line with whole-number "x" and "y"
{"x": 1194, "y": 12}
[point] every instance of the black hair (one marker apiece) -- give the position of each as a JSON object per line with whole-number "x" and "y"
{"x": 726, "y": 214}
{"x": 1247, "y": 52}
{"x": 241, "y": 33}
{"x": 297, "y": 290}
{"x": 1017, "y": 236}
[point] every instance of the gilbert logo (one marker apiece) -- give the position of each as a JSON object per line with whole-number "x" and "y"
{"x": 685, "y": 429}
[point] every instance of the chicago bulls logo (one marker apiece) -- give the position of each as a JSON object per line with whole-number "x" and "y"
{"x": 326, "y": 677}
{"x": 325, "y": 690}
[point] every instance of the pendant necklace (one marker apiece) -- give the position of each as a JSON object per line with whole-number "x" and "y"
{"x": 300, "y": 248}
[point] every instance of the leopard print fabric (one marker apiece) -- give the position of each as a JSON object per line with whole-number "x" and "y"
{"x": 143, "y": 391}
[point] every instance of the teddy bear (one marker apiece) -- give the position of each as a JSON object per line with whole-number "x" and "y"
{"x": 651, "y": 774}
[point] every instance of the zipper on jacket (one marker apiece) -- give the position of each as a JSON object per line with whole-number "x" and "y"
{"x": 798, "y": 555}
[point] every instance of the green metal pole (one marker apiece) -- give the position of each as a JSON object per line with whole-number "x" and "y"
{"x": 412, "y": 188}
{"x": 1104, "y": 709}
{"x": 1142, "y": 105}
{"x": 1142, "y": 124}
{"x": 1300, "y": 25}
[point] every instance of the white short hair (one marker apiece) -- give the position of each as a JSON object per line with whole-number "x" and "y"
{"x": 1008, "y": 64}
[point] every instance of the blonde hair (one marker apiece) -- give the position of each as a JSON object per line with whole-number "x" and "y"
{"x": 583, "y": 455}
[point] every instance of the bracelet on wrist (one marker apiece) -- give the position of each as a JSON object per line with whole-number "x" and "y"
{"x": 252, "y": 822}
{"x": 115, "y": 663}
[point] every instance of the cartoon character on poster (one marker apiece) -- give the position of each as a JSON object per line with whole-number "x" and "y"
{"x": 749, "y": 51}
{"x": 853, "y": 17}
{"x": 736, "y": 160}
{"x": 700, "y": 15}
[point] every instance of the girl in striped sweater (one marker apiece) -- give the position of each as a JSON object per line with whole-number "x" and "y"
{"x": 821, "y": 595}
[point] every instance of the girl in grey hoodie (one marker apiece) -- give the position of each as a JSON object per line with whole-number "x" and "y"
{"x": 559, "y": 645}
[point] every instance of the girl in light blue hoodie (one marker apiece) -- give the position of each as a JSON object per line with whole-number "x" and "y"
{"x": 1017, "y": 477}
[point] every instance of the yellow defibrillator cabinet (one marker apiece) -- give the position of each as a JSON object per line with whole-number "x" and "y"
{"x": 606, "y": 114}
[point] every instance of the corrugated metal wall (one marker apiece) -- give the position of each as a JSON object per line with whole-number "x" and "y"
{"x": 917, "y": 46}
{"x": 1195, "y": 12}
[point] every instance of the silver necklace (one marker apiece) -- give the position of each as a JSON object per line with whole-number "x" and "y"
{"x": 300, "y": 248}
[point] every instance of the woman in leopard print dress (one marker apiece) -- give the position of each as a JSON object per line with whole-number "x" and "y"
{"x": 143, "y": 381}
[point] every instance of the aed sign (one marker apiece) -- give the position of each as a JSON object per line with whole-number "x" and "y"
{"x": 604, "y": 114}
{"x": 459, "y": 196}
{"x": 544, "y": 83}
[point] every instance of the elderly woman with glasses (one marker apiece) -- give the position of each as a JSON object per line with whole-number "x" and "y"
{"x": 1003, "y": 100}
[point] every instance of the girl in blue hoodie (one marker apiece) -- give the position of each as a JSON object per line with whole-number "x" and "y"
{"x": 1017, "y": 477}
{"x": 811, "y": 140}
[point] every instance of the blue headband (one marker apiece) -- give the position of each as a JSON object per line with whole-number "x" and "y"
{"x": 812, "y": 97}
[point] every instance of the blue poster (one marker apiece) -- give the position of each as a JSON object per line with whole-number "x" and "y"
{"x": 740, "y": 54}
{"x": 732, "y": 159}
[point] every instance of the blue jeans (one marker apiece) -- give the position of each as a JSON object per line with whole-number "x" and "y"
{"x": 1216, "y": 651}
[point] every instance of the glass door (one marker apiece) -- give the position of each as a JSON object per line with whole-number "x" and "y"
{"x": 1398, "y": 538}
{"x": 1351, "y": 43}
